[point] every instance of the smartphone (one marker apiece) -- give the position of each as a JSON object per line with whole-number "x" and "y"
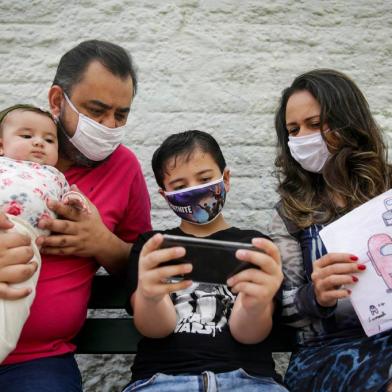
{"x": 213, "y": 261}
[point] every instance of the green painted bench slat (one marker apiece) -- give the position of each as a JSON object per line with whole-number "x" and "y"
{"x": 119, "y": 335}
{"x": 107, "y": 336}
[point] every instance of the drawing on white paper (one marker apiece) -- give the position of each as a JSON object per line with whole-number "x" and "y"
{"x": 373, "y": 310}
{"x": 366, "y": 232}
{"x": 380, "y": 254}
{"x": 387, "y": 215}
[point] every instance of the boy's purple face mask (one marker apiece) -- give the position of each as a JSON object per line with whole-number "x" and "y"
{"x": 198, "y": 204}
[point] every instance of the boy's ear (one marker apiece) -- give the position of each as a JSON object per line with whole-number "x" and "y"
{"x": 162, "y": 193}
{"x": 55, "y": 96}
{"x": 226, "y": 179}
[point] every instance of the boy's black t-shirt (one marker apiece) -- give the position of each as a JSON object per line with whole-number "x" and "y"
{"x": 202, "y": 339}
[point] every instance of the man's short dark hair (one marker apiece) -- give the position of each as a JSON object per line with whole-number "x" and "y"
{"x": 74, "y": 63}
{"x": 185, "y": 144}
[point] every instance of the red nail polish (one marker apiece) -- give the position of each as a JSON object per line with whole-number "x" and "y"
{"x": 361, "y": 267}
{"x": 349, "y": 291}
{"x": 355, "y": 279}
{"x": 353, "y": 258}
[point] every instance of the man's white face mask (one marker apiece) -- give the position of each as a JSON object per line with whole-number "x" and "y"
{"x": 92, "y": 139}
{"x": 310, "y": 151}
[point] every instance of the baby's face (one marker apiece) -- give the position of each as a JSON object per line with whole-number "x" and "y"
{"x": 29, "y": 136}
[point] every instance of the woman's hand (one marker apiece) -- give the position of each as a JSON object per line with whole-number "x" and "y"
{"x": 257, "y": 286}
{"x": 153, "y": 279}
{"x": 330, "y": 273}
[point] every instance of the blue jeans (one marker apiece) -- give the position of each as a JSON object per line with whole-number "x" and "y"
{"x": 52, "y": 374}
{"x": 237, "y": 380}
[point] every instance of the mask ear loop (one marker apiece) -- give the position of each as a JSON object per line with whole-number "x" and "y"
{"x": 72, "y": 106}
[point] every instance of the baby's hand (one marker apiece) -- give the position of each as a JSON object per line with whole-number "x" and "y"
{"x": 257, "y": 286}
{"x": 76, "y": 200}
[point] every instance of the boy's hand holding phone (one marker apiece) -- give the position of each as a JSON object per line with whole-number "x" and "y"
{"x": 153, "y": 278}
{"x": 153, "y": 311}
{"x": 257, "y": 286}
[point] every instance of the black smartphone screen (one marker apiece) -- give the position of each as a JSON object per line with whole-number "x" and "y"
{"x": 213, "y": 261}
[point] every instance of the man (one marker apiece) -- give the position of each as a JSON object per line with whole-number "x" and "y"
{"x": 91, "y": 97}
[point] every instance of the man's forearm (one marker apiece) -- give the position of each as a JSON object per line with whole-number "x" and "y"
{"x": 113, "y": 253}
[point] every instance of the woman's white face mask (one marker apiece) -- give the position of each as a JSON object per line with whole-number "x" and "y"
{"x": 310, "y": 151}
{"x": 92, "y": 139}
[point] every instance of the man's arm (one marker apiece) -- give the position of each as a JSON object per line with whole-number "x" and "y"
{"x": 82, "y": 233}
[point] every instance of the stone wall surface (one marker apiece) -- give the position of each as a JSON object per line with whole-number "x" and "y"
{"x": 211, "y": 65}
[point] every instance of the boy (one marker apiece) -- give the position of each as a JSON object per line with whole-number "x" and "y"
{"x": 28, "y": 152}
{"x": 198, "y": 334}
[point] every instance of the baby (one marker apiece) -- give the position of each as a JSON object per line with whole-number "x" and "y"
{"x": 28, "y": 153}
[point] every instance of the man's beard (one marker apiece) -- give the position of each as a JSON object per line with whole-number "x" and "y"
{"x": 70, "y": 152}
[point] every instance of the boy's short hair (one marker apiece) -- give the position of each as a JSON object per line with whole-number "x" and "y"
{"x": 185, "y": 143}
{"x": 22, "y": 107}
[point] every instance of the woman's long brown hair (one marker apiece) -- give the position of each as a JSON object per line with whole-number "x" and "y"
{"x": 357, "y": 169}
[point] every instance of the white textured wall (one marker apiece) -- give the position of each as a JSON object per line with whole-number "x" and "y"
{"x": 211, "y": 65}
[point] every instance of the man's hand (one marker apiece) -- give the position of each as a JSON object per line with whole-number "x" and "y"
{"x": 15, "y": 254}
{"x": 82, "y": 233}
{"x": 79, "y": 233}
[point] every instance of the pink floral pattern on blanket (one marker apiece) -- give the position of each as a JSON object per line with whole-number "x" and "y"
{"x": 25, "y": 188}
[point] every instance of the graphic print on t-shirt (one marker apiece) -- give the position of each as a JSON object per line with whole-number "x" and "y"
{"x": 202, "y": 308}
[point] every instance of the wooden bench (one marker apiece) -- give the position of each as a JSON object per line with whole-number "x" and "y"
{"x": 119, "y": 335}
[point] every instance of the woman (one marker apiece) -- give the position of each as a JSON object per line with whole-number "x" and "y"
{"x": 331, "y": 159}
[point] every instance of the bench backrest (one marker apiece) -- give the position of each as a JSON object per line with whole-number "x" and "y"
{"x": 119, "y": 335}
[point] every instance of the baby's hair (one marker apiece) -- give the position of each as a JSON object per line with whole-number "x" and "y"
{"x": 22, "y": 107}
{"x": 185, "y": 144}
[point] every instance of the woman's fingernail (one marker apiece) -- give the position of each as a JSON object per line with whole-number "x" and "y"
{"x": 361, "y": 267}
{"x": 354, "y": 258}
{"x": 230, "y": 281}
{"x": 349, "y": 291}
{"x": 355, "y": 279}
{"x": 241, "y": 253}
